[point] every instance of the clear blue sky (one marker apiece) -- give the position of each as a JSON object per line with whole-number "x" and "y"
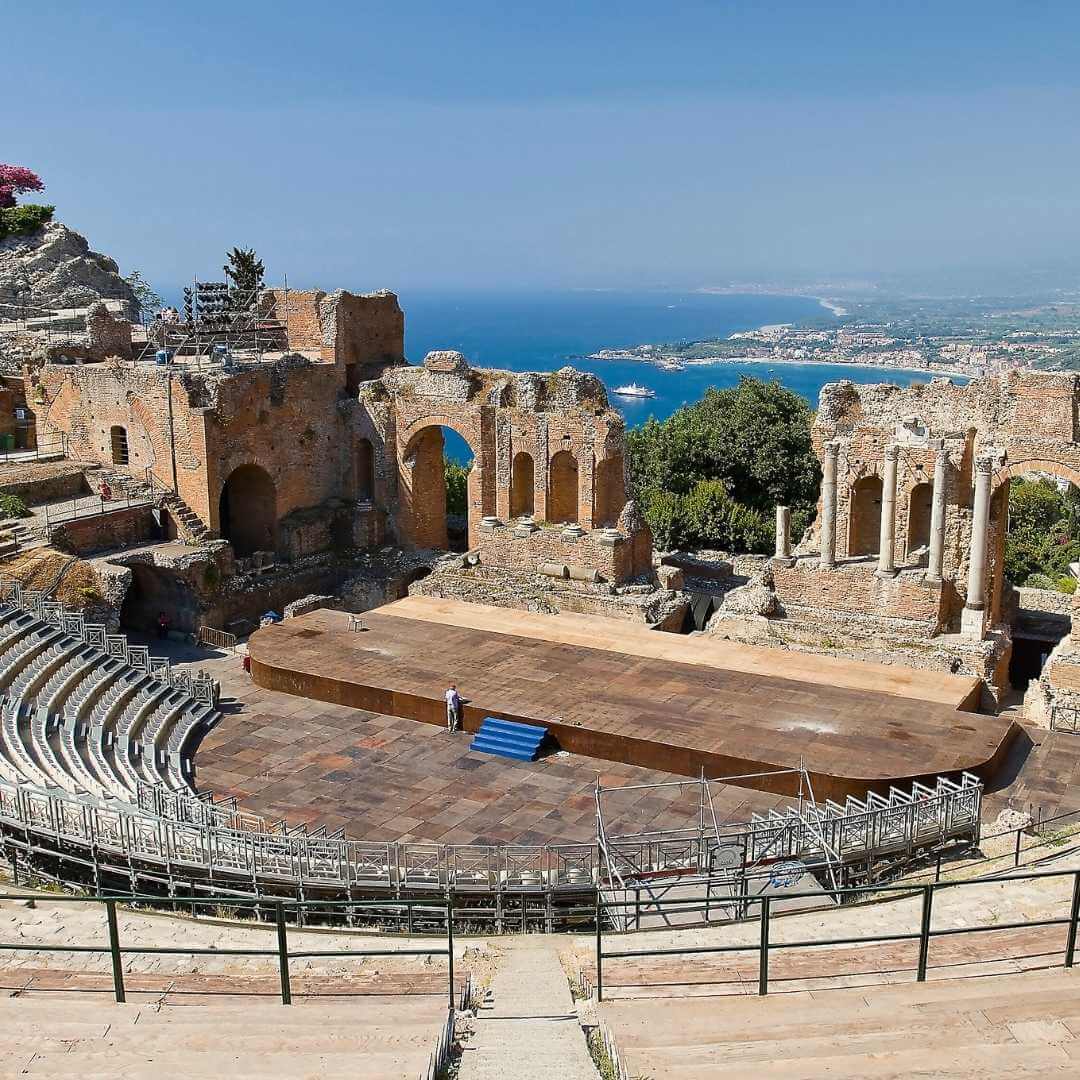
{"x": 581, "y": 144}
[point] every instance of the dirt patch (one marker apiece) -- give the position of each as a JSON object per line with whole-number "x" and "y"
{"x": 78, "y": 588}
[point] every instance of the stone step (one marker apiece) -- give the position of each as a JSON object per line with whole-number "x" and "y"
{"x": 935, "y": 1060}
{"x": 136, "y": 1065}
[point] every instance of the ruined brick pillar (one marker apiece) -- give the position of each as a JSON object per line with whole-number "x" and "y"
{"x": 828, "y": 505}
{"x": 887, "y": 542}
{"x": 973, "y": 618}
{"x": 936, "y": 561}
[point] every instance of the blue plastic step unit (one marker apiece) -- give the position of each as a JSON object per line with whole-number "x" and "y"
{"x": 506, "y": 738}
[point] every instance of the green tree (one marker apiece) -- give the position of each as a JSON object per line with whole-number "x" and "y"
{"x": 148, "y": 299}
{"x": 1043, "y": 537}
{"x": 244, "y": 271}
{"x": 711, "y": 474}
{"x": 457, "y": 487}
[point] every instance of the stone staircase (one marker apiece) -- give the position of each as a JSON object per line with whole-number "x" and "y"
{"x": 528, "y": 1029}
{"x": 189, "y": 525}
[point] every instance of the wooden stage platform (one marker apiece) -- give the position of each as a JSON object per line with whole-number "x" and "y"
{"x": 621, "y": 692}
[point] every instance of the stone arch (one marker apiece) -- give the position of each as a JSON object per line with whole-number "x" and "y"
{"x": 562, "y": 499}
{"x": 247, "y": 510}
{"x": 1035, "y": 465}
{"x": 421, "y": 510}
{"x": 522, "y": 485}
{"x": 864, "y": 515}
{"x": 920, "y": 503}
{"x": 365, "y": 470}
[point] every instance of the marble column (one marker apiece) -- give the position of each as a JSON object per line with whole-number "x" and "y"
{"x": 783, "y": 536}
{"x": 973, "y": 617}
{"x": 828, "y": 505}
{"x": 936, "y": 562}
{"x": 887, "y": 540}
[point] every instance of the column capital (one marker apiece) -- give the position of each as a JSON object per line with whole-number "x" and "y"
{"x": 832, "y": 447}
{"x": 985, "y": 462}
{"x": 892, "y": 452}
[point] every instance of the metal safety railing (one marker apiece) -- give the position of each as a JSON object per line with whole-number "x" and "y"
{"x": 117, "y": 949}
{"x": 209, "y": 637}
{"x": 765, "y": 946}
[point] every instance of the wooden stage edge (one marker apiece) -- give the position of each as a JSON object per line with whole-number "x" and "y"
{"x": 317, "y": 657}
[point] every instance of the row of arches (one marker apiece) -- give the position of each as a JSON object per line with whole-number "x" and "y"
{"x": 864, "y": 516}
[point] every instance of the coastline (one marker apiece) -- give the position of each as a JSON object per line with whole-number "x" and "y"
{"x": 950, "y": 372}
{"x": 624, "y": 355}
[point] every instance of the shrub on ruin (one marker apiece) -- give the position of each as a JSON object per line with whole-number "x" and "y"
{"x": 1038, "y": 581}
{"x": 11, "y": 506}
{"x": 21, "y": 220}
{"x": 1066, "y": 584}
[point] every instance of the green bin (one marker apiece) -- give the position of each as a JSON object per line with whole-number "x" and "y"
{"x": 7, "y": 442}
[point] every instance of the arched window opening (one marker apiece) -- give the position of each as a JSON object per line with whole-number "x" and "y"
{"x": 119, "y": 440}
{"x": 563, "y": 488}
{"x": 522, "y": 485}
{"x": 247, "y": 511}
{"x": 365, "y": 470}
{"x": 864, "y": 530}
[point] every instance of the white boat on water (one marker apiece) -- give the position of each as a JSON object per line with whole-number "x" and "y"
{"x": 633, "y": 390}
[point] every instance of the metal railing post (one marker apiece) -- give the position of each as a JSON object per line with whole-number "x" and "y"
{"x": 763, "y": 955}
{"x": 1074, "y": 913}
{"x": 114, "y": 949}
{"x": 283, "y": 955}
{"x": 1016, "y": 858}
{"x": 924, "y": 931}
{"x": 599, "y": 950}
{"x": 450, "y": 943}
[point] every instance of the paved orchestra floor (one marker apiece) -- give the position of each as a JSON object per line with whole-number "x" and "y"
{"x": 731, "y": 709}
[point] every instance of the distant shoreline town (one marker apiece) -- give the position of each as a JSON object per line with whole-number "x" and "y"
{"x": 933, "y": 337}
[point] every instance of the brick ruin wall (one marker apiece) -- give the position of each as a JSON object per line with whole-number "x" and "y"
{"x": 337, "y": 444}
{"x": 1027, "y": 422}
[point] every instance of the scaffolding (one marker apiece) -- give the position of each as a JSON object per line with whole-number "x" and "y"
{"x": 220, "y": 325}
{"x": 857, "y": 842}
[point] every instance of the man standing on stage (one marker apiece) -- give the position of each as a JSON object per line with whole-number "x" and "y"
{"x": 453, "y": 709}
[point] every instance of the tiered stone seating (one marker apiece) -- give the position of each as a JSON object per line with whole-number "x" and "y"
{"x": 1024, "y": 1025}
{"x": 76, "y": 718}
{"x": 376, "y": 1037}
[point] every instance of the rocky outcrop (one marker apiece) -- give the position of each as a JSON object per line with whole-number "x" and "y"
{"x": 55, "y": 268}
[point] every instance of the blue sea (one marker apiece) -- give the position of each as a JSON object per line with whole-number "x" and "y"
{"x": 545, "y": 331}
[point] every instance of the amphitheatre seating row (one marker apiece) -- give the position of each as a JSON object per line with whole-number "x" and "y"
{"x": 1021, "y": 1025}
{"x": 382, "y": 1037}
{"x": 79, "y": 720}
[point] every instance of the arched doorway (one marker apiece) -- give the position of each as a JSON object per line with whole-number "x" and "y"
{"x": 864, "y": 516}
{"x": 920, "y": 503}
{"x": 437, "y": 479}
{"x": 247, "y": 510}
{"x": 522, "y": 485}
{"x": 562, "y": 500}
{"x": 154, "y": 591}
{"x": 365, "y": 470}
